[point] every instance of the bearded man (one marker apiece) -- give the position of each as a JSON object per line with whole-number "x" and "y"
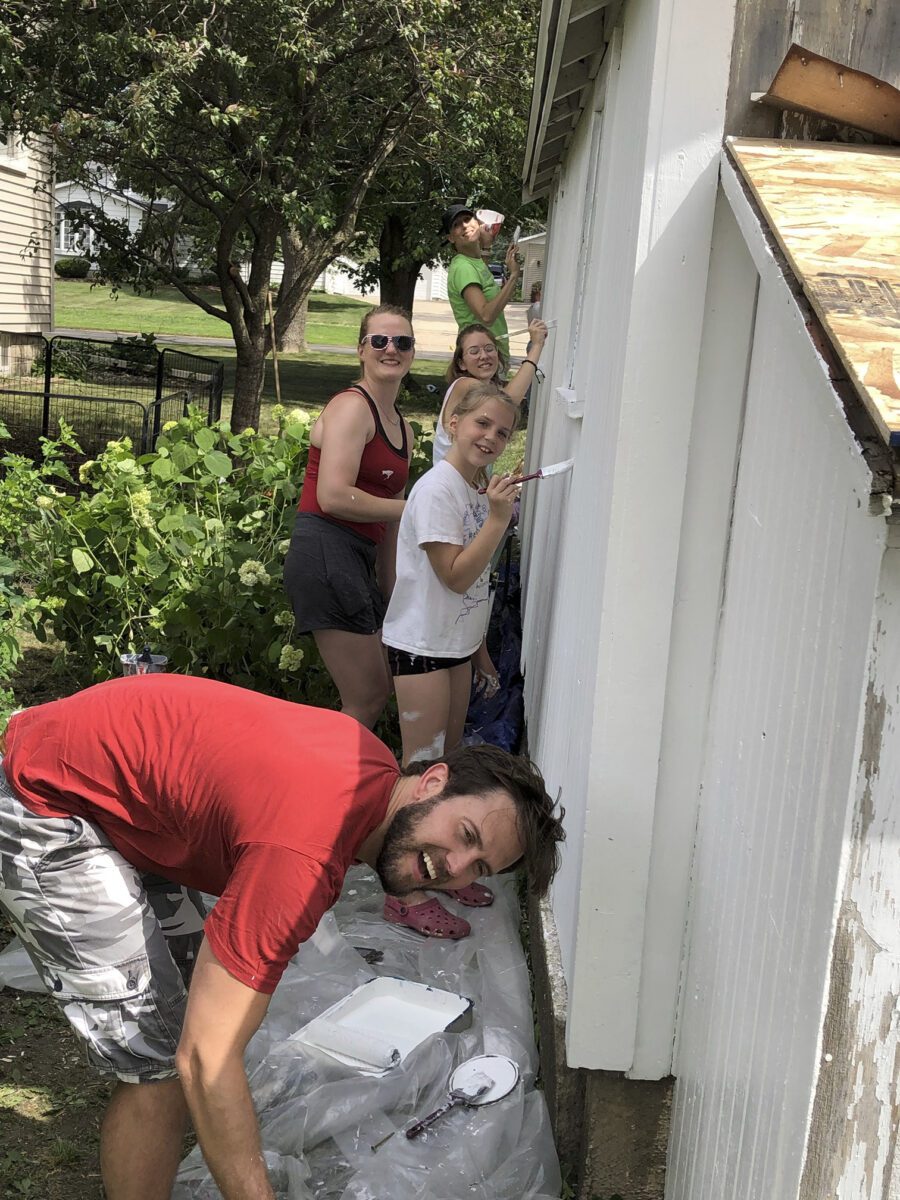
{"x": 120, "y": 804}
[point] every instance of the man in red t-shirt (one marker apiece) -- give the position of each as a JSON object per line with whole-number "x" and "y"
{"x": 120, "y": 802}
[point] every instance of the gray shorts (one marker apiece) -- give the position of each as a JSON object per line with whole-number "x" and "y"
{"x": 114, "y": 945}
{"x": 329, "y": 576}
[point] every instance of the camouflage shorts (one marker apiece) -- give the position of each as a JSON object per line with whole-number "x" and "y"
{"x": 115, "y": 946}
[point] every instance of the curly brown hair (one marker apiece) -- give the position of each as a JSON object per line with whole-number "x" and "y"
{"x": 474, "y": 770}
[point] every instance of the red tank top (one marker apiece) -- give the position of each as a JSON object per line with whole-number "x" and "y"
{"x": 383, "y": 471}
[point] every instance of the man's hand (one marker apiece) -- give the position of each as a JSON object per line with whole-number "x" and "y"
{"x": 222, "y": 1016}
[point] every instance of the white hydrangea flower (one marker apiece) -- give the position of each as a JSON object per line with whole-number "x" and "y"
{"x": 291, "y": 658}
{"x": 284, "y": 618}
{"x": 252, "y": 572}
{"x": 45, "y": 502}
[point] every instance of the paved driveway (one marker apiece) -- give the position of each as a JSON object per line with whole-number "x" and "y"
{"x": 433, "y": 321}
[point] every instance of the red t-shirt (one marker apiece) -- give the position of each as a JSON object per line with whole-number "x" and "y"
{"x": 259, "y": 801}
{"x": 383, "y": 471}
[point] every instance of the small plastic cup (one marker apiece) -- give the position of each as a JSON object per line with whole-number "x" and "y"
{"x": 490, "y": 219}
{"x": 136, "y": 664}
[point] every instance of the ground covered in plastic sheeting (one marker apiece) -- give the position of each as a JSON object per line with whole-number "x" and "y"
{"x": 320, "y": 1120}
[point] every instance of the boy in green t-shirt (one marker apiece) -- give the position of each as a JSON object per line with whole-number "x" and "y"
{"x": 473, "y": 292}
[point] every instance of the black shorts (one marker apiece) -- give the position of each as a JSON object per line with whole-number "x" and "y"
{"x": 329, "y": 576}
{"x": 404, "y": 663}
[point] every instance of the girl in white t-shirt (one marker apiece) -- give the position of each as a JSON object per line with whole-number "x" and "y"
{"x": 437, "y": 615}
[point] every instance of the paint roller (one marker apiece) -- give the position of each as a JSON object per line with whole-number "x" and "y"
{"x": 369, "y": 1050}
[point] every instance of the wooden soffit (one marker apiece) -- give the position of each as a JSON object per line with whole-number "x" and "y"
{"x": 572, "y": 38}
{"x": 835, "y": 213}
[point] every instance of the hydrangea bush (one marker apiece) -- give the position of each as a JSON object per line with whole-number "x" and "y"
{"x": 181, "y": 549}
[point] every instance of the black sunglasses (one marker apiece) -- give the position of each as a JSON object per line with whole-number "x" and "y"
{"x": 403, "y": 342}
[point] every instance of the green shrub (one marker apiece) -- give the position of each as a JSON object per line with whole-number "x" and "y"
{"x": 181, "y": 549}
{"x": 72, "y": 268}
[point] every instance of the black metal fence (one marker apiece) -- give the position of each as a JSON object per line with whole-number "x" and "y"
{"x": 104, "y": 389}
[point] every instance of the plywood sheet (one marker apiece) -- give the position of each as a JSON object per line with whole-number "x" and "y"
{"x": 835, "y": 211}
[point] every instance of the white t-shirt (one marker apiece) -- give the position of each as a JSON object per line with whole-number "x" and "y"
{"x": 424, "y": 616}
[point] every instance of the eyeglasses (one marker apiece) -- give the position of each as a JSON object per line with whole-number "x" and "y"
{"x": 474, "y": 351}
{"x": 378, "y": 341}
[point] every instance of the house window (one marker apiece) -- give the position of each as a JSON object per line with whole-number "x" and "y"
{"x": 68, "y": 239}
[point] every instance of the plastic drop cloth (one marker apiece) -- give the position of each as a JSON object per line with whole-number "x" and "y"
{"x": 320, "y": 1119}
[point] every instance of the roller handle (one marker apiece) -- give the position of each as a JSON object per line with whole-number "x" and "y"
{"x": 416, "y": 1129}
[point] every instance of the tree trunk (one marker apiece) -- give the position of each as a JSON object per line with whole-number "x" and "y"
{"x": 397, "y": 275}
{"x": 293, "y": 336}
{"x": 250, "y": 370}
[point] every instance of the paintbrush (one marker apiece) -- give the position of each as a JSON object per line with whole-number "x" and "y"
{"x": 559, "y": 468}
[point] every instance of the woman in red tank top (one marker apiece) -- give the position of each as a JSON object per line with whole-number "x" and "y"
{"x": 339, "y": 570}
{"x": 340, "y": 567}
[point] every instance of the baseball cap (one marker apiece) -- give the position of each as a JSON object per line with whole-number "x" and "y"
{"x": 454, "y": 211}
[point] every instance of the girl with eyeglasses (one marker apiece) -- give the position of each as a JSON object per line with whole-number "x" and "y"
{"x": 339, "y": 570}
{"x": 479, "y": 359}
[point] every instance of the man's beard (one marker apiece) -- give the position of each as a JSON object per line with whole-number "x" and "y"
{"x": 399, "y": 841}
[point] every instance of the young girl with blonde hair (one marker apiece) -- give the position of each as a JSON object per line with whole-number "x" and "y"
{"x": 454, "y": 520}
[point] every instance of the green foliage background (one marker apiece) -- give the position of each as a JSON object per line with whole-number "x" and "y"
{"x": 181, "y": 549}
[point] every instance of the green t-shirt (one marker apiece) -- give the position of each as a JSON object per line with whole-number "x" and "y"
{"x": 462, "y": 271}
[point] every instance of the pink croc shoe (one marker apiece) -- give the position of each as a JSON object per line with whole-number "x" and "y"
{"x": 429, "y": 918}
{"x": 475, "y": 895}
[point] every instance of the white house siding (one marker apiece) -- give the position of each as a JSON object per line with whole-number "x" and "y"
{"x": 432, "y": 283}
{"x": 778, "y": 777}
{"x": 26, "y": 242}
{"x": 627, "y": 257}
{"x": 852, "y": 1153}
{"x": 532, "y": 251}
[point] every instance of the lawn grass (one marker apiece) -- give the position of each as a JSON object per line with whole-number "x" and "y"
{"x": 310, "y": 380}
{"x": 332, "y": 321}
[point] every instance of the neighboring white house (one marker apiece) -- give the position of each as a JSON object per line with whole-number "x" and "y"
{"x": 533, "y": 251}
{"x": 711, "y": 636}
{"x": 26, "y": 230}
{"x": 432, "y": 282}
{"x": 119, "y": 204}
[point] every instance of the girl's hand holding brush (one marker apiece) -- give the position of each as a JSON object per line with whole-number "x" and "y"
{"x": 501, "y": 492}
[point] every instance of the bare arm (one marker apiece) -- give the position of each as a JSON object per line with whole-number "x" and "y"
{"x": 458, "y": 567}
{"x": 222, "y": 1015}
{"x": 516, "y": 387}
{"x": 347, "y": 426}
{"x": 487, "y": 311}
{"x": 386, "y": 555}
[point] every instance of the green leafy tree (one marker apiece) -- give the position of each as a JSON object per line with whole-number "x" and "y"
{"x": 473, "y": 154}
{"x": 246, "y": 124}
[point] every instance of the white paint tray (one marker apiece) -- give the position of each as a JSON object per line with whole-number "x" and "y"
{"x": 382, "y": 1021}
